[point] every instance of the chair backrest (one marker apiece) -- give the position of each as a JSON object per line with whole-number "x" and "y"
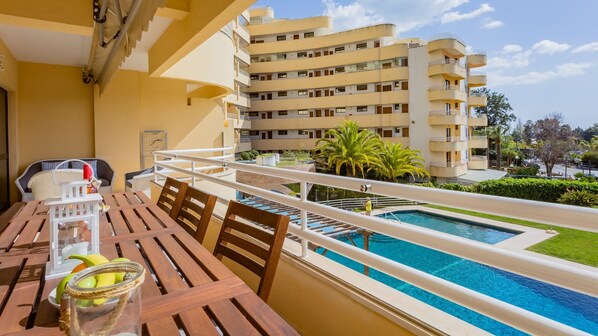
{"x": 172, "y": 195}
{"x": 235, "y": 233}
{"x": 195, "y": 212}
{"x": 42, "y": 184}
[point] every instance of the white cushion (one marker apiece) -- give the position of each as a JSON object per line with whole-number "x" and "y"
{"x": 43, "y": 187}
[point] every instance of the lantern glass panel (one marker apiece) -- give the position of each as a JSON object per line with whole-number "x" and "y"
{"x": 74, "y": 237}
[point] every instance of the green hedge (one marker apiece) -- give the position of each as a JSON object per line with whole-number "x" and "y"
{"x": 525, "y": 171}
{"x": 532, "y": 189}
{"x": 456, "y": 187}
{"x": 590, "y": 157}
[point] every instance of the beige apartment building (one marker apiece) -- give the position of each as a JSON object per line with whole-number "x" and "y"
{"x": 306, "y": 79}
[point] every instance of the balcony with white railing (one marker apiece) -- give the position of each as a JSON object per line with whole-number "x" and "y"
{"x": 477, "y": 141}
{"x": 448, "y": 169}
{"x": 480, "y": 120}
{"x": 478, "y": 162}
{"x": 443, "y": 117}
{"x": 476, "y": 58}
{"x": 450, "y": 67}
{"x": 476, "y": 79}
{"x": 447, "y": 144}
{"x": 447, "y": 92}
{"x": 305, "y": 276}
{"x": 477, "y": 99}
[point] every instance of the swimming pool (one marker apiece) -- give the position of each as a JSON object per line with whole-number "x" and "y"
{"x": 577, "y": 310}
{"x": 451, "y": 225}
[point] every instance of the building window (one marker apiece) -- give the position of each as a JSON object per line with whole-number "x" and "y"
{"x": 281, "y": 38}
{"x": 302, "y": 74}
{"x": 254, "y": 95}
{"x": 302, "y": 132}
{"x": 282, "y": 113}
{"x": 339, "y": 69}
{"x": 362, "y": 108}
{"x": 361, "y": 46}
{"x": 386, "y": 88}
{"x": 339, "y": 89}
{"x": 281, "y": 56}
{"x": 244, "y": 133}
{"x": 340, "y": 110}
{"x": 259, "y": 41}
{"x": 282, "y": 132}
{"x": 254, "y": 77}
{"x": 253, "y": 114}
{"x": 302, "y": 92}
{"x": 397, "y": 106}
{"x": 362, "y": 87}
{"x": 302, "y": 54}
{"x": 339, "y": 49}
{"x": 302, "y": 112}
{"x": 403, "y": 62}
{"x": 362, "y": 66}
{"x": 282, "y": 75}
{"x": 387, "y": 133}
{"x": 282, "y": 93}
{"x": 307, "y": 35}
{"x": 254, "y": 133}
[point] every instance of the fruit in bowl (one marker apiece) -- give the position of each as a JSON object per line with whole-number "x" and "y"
{"x": 100, "y": 280}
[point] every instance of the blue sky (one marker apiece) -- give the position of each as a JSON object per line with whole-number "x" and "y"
{"x": 542, "y": 54}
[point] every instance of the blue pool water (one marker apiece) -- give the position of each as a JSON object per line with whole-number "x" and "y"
{"x": 568, "y": 307}
{"x": 450, "y": 225}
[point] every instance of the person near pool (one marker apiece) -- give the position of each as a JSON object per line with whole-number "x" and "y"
{"x": 368, "y": 206}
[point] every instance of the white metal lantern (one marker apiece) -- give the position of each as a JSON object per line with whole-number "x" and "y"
{"x": 74, "y": 227}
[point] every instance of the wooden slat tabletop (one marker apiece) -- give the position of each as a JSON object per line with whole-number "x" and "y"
{"x": 189, "y": 291}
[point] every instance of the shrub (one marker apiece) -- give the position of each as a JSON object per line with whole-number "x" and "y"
{"x": 585, "y": 178}
{"x": 525, "y": 171}
{"x": 456, "y": 187}
{"x": 579, "y": 197}
{"x": 532, "y": 189}
{"x": 590, "y": 157}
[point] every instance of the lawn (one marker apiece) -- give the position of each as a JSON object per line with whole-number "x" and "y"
{"x": 570, "y": 244}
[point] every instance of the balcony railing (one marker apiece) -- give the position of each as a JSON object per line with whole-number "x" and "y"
{"x": 477, "y": 73}
{"x": 445, "y": 112}
{"x": 478, "y": 137}
{"x": 443, "y": 36}
{"x": 477, "y": 94}
{"x": 242, "y": 139}
{"x": 476, "y": 52}
{"x": 446, "y": 139}
{"x": 446, "y": 87}
{"x": 231, "y": 115}
{"x": 446, "y": 61}
{"x": 448, "y": 164}
{"x": 559, "y": 274}
{"x": 478, "y": 158}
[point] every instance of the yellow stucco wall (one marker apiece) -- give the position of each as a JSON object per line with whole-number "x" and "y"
{"x": 9, "y": 82}
{"x": 134, "y": 102}
{"x": 55, "y": 113}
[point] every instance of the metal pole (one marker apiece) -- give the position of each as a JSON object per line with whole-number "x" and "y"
{"x": 303, "y": 191}
{"x": 193, "y": 177}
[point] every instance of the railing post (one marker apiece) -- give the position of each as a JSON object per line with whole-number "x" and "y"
{"x": 155, "y": 168}
{"x": 193, "y": 176}
{"x": 303, "y": 190}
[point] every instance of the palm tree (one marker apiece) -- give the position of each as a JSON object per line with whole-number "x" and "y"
{"x": 497, "y": 133}
{"x": 396, "y": 161}
{"x": 350, "y": 148}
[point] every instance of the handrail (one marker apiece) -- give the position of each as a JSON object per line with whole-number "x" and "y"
{"x": 445, "y": 87}
{"x": 446, "y": 139}
{"x": 478, "y": 158}
{"x": 448, "y": 164}
{"x": 577, "y": 279}
{"x": 443, "y": 112}
{"x": 478, "y": 137}
{"x": 447, "y": 62}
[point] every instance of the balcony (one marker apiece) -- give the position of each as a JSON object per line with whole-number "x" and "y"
{"x": 478, "y": 162}
{"x": 478, "y": 121}
{"x": 303, "y": 144}
{"x": 243, "y": 55}
{"x": 451, "y": 92}
{"x": 241, "y": 99}
{"x": 241, "y": 123}
{"x": 449, "y": 43}
{"x": 242, "y": 144}
{"x": 441, "y": 117}
{"x": 243, "y": 77}
{"x": 242, "y": 31}
{"x": 477, "y": 59}
{"x": 370, "y": 120}
{"x": 476, "y": 79}
{"x": 449, "y": 68}
{"x": 448, "y": 169}
{"x": 477, "y": 142}
{"x": 477, "y": 99}
{"x": 382, "y": 98}
{"x": 447, "y": 144}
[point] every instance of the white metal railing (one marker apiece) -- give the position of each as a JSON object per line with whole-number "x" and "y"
{"x": 443, "y": 36}
{"x": 448, "y": 164}
{"x": 244, "y": 140}
{"x": 478, "y": 137}
{"x": 446, "y": 87}
{"x": 231, "y": 115}
{"x": 477, "y": 73}
{"x": 476, "y": 52}
{"x": 478, "y": 158}
{"x": 377, "y": 202}
{"x": 447, "y": 61}
{"x": 445, "y": 139}
{"x": 445, "y": 112}
{"x": 479, "y": 116}
{"x": 477, "y": 94}
{"x": 577, "y": 279}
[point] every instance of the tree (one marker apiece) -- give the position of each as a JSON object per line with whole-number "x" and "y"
{"x": 528, "y": 132}
{"x": 396, "y": 161}
{"x": 553, "y": 140}
{"x": 498, "y": 110}
{"x": 347, "y": 147}
{"x": 497, "y": 133}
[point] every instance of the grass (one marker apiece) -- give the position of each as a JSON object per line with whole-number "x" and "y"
{"x": 570, "y": 244}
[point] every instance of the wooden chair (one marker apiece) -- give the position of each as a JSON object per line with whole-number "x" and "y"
{"x": 265, "y": 254}
{"x": 195, "y": 213}
{"x": 172, "y": 195}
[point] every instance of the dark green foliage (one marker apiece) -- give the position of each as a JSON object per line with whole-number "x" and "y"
{"x": 579, "y": 197}
{"x": 456, "y": 187}
{"x": 525, "y": 171}
{"x": 532, "y": 189}
{"x": 591, "y": 158}
{"x": 585, "y": 178}
{"x": 249, "y": 155}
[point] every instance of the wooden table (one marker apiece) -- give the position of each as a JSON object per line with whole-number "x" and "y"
{"x": 189, "y": 288}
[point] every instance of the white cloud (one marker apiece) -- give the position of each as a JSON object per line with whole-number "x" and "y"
{"x": 550, "y": 47}
{"x": 592, "y": 46}
{"x": 512, "y": 60}
{"x": 511, "y": 48}
{"x": 534, "y": 77}
{"x": 493, "y": 24}
{"x": 457, "y": 16}
{"x": 406, "y": 14}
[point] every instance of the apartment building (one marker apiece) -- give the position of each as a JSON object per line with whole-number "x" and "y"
{"x": 306, "y": 79}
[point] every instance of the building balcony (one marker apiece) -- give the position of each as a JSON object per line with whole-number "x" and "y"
{"x": 450, "y": 68}
{"x": 452, "y": 92}
{"x": 448, "y": 169}
{"x": 449, "y": 43}
{"x": 240, "y": 99}
{"x": 478, "y": 121}
{"x": 477, "y": 162}
{"x": 242, "y": 145}
{"x": 476, "y": 79}
{"x": 382, "y": 98}
{"x": 243, "y": 77}
{"x": 447, "y": 144}
{"x": 304, "y": 144}
{"x": 241, "y": 123}
{"x": 453, "y": 117}
{"x": 370, "y": 120}
{"x": 477, "y": 59}
{"x": 242, "y": 31}
{"x": 477, "y": 142}
{"x": 476, "y": 99}
{"x": 243, "y": 55}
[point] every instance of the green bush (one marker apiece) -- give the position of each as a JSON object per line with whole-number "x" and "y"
{"x": 585, "y": 178}
{"x": 249, "y": 155}
{"x": 456, "y": 187}
{"x": 532, "y": 189}
{"x": 579, "y": 197}
{"x": 525, "y": 171}
{"x": 590, "y": 157}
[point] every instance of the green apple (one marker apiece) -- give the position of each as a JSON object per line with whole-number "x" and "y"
{"x": 121, "y": 275}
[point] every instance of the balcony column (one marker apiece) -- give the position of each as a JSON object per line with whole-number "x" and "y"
{"x": 304, "y": 191}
